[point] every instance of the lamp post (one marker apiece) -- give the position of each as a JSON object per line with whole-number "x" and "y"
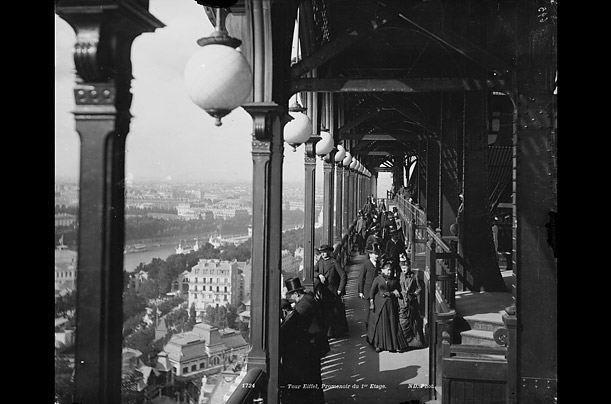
{"x": 340, "y": 153}
{"x": 218, "y": 77}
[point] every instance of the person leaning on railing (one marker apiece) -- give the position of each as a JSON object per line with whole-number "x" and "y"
{"x": 303, "y": 342}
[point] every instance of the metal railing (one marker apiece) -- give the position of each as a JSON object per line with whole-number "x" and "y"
{"x": 444, "y": 272}
{"x": 343, "y": 248}
{"x": 251, "y": 389}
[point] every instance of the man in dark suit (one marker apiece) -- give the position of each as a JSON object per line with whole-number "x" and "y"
{"x": 303, "y": 342}
{"x": 360, "y": 230}
{"x": 368, "y": 272}
{"x": 394, "y": 247}
{"x": 330, "y": 279}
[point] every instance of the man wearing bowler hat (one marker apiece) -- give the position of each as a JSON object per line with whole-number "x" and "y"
{"x": 330, "y": 280}
{"x": 303, "y": 342}
{"x": 368, "y": 272}
{"x": 394, "y": 247}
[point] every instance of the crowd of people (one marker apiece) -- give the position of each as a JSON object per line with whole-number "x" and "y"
{"x": 386, "y": 284}
{"x": 308, "y": 319}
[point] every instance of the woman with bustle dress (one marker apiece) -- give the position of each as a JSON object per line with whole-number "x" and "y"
{"x": 409, "y": 311}
{"x": 384, "y": 332}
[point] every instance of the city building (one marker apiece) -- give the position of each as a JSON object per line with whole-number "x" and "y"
{"x": 65, "y": 220}
{"x": 245, "y": 272}
{"x": 244, "y": 316}
{"x": 64, "y": 334}
{"x": 136, "y": 279}
{"x": 214, "y": 282}
{"x": 290, "y": 263}
{"x": 205, "y": 348}
{"x": 187, "y": 248}
{"x": 65, "y": 269}
{"x": 181, "y": 283}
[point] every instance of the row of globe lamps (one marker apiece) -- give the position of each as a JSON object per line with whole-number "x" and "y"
{"x": 298, "y": 131}
{"x": 218, "y": 79}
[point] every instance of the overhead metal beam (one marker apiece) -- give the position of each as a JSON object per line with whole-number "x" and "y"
{"x": 416, "y": 119}
{"x": 417, "y": 85}
{"x": 461, "y": 45}
{"x": 383, "y": 136}
{"x": 379, "y": 153}
{"x": 330, "y": 49}
{"x": 359, "y": 120}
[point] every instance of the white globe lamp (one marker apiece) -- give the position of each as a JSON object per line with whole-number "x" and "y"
{"x": 347, "y": 160}
{"x": 325, "y": 144}
{"x": 299, "y": 129}
{"x": 218, "y": 78}
{"x": 340, "y": 153}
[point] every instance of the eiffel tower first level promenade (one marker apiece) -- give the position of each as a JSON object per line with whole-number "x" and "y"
{"x": 353, "y": 372}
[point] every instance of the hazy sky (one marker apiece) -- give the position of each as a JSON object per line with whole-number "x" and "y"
{"x": 170, "y": 137}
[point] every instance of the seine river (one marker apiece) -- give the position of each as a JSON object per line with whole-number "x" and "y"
{"x": 132, "y": 259}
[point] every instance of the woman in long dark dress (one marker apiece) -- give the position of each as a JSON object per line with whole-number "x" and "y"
{"x": 384, "y": 332}
{"x": 409, "y": 313}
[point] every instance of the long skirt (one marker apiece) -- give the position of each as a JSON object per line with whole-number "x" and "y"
{"x": 300, "y": 368}
{"x": 384, "y": 331}
{"x": 411, "y": 324}
{"x": 336, "y": 318}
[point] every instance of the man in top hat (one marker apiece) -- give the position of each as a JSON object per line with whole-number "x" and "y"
{"x": 368, "y": 272}
{"x": 330, "y": 280}
{"x": 286, "y": 306}
{"x": 303, "y": 342}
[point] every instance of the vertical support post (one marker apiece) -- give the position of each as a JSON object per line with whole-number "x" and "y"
{"x": 412, "y": 239}
{"x": 267, "y": 154}
{"x": 339, "y": 175}
{"x": 432, "y": 182}
{"x": 443, "y": 325}
{"x": 449, "y": 162}
{"x": 102, "y": 57}
{"x": 355, "y": 195}
{"x": 99, "y": 309}
{"x": 476, "y": 233}
{"x": 349, "y": 196}
{"x": 361, "y": 201}
{"x": 431, "y": 311}
{"x": 345, "y": 200}
{"x": 511, "y": 323}
{"x": 309, "y": 212}
{"x": 422, "y": 171}
{"x": 327, "y": 215}
{"x": 536, "y": 200}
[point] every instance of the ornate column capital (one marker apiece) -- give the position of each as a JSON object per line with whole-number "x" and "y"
{"x": 310, "y": 150}
{"x": 263, "y": 115}
{"x": 104, "y": 33}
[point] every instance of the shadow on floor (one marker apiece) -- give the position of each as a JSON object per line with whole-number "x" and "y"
{"x": 352, "y": 372}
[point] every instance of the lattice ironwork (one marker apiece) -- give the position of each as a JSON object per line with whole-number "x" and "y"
{"x": 321, "y": 22}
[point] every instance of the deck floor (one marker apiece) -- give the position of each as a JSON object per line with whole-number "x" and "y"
{"x": 355, "y": 373}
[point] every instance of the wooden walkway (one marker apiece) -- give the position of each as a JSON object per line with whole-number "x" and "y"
{"x": 352, "y": 372}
